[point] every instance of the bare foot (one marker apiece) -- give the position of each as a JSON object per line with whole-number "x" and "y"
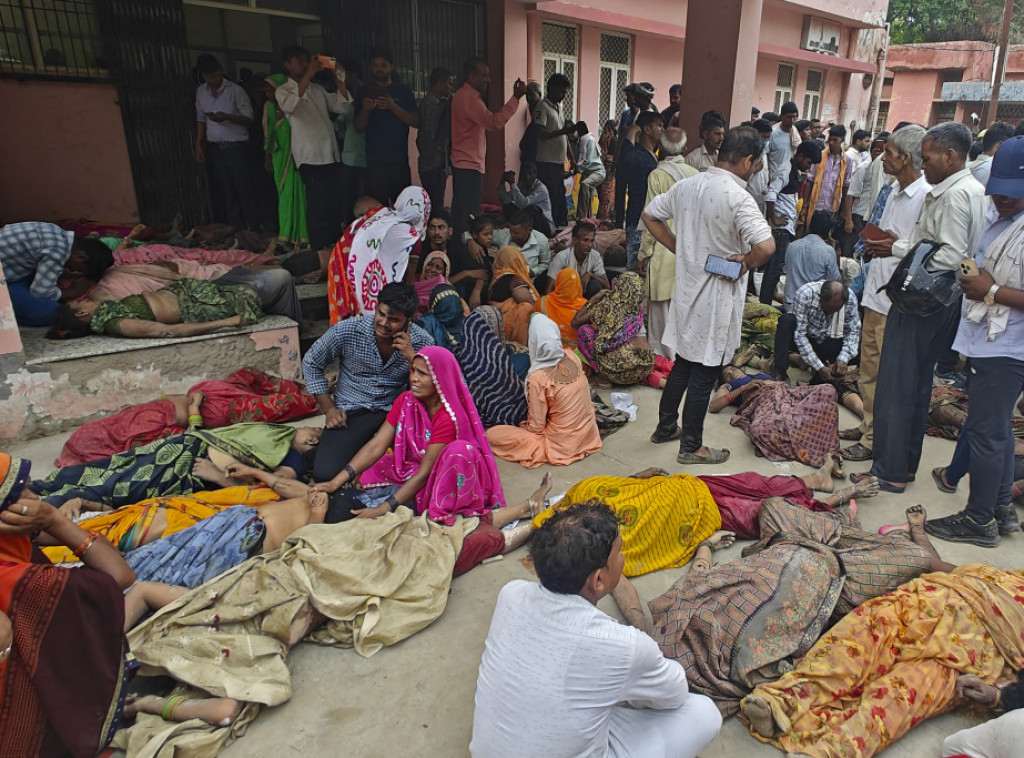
{"x": 759, "y": 714}
{"x": 721, "y": 539}
{"x": 863, "y": 488}
{"x": 537, "y": 499}
{"x": 837, "y": 467}
{"x": 820, "y": 480}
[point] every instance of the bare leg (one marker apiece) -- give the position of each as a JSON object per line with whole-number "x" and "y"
{"x": 702, "y": 562}
{"x": 217, "y": 711}
{"x": 501, "y": 517}
{"x": 820, "y": 480}
{"x": 853, "y": 403}
{"x": 628, "y": 601}
{"x": 867, "y": 488}
{"x": 916, "y": 518}
{"x": 148, "y": 596}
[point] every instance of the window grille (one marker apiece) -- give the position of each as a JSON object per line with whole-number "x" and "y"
{"x": 614, "y": 76}
{"x": 784, "y": 85}
{"x": 882, "y": 117}
{"x": 51, "y": 38}
{"x": 812, "y": 95}
{"x": 559, "y": 56}
{"x": 944, "y": 112}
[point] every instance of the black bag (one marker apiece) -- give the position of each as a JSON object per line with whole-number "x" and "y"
{"x": 916, "y": 291}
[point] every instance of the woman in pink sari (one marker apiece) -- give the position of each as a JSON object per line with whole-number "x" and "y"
{"x": 431, "y": 455}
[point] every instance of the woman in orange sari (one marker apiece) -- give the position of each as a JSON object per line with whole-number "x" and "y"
{"x": 63, "y": 665}
{"x": 563, "y": 302}
{"x": 513, "y": 292}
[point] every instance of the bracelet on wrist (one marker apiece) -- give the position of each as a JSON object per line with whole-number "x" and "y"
{"x": 392, "y": 502}
{"x": 351, "y": 473}
{"x": 86, "y": 544}
{"x": 195, "y": 420}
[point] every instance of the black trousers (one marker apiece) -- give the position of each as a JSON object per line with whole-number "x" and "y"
{"x": 773, "y": 272}
{"x": 696, "y": 381}
{"x": 323, "y": 203}
{"x": 467, "y": 197}
{"x": 904, "y": 389}
{"x": 619, "y": 213}
{"x": 338, "y": 446}
{"x": 351, "y": 190}
{"x": 232, "y": 169}
{"x": 435, "y": 182}
{"x": 785, "y": 342}
{"x": 385, "y": 181}
{"x": 552, "y": 176}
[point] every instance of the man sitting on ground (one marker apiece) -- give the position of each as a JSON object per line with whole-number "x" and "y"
{"x": 824, "y": 326}
{"x": 583, "y": 683}
{"x": 534, "y": 246}
{"x": 582, "y": 256}
{"x": 529, "y": 195}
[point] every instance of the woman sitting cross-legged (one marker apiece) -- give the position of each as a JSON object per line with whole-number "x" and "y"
{"x": 560, "y": 427}
{"x": 513, "y": 292}
{"x": 184, "y": 308}
{"x": 445, "y": 318}
{"x": 610, "y": 333}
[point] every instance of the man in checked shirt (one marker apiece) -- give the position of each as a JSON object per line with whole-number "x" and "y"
{"x": 824, "y": 326}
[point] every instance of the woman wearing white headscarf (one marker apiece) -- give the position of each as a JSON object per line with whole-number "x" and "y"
{"x": 560, "y": 427}
{"x": 374, "y": 251}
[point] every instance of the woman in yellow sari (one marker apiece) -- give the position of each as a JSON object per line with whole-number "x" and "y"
{"x": 893, "y": 662}
{"x": 132, "y": 526}
{"x": 513, "y": 292}
{"x": 662, "y": 519}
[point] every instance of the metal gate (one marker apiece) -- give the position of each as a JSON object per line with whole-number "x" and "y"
{"x": 147, "y": 52}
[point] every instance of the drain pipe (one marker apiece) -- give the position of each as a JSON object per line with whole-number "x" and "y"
{"x": 876, "y": 90}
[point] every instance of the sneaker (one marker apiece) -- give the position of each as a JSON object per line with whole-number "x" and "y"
{"x": 962, "y": 528}
{"x": 1006, "y": 518}
{"x": 952, "y": 378}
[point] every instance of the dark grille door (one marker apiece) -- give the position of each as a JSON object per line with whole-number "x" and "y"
{"x": 148, "y": 53}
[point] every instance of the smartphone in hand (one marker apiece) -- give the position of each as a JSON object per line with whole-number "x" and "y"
{"x": 720, "y": 266}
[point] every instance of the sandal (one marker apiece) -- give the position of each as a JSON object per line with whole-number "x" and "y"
{"x": 883, "y": 485}
{"x": 714, "y": 456}
{"x": 857, "y": 452}
{"x": 659, "y": 439}
{"x": 939, "y": 475}
{"x": 850, "y": 435}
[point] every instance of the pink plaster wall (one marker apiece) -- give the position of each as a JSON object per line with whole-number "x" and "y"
{"x": 77, "y": 128}
{"x": 912, "y": 96}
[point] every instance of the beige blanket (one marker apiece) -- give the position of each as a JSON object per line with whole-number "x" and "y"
{"x": 376, "y": 582}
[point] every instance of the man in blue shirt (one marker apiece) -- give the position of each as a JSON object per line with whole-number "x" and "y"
{"x": 385, "y": 111}
{"x": 374, "y": 354}
{"x": 991, "y": 335}
{"x": 636, "y": 162}
{"x": 35, "y": 255}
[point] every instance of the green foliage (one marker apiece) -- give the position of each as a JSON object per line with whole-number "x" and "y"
{"x": 914, "y": 21}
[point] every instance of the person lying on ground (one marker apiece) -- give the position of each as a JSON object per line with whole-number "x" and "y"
{"x": 737, "y": 383}
{"x": 744, "y": 622}
{"x": 560, "y": 428}
{"x": 652, "y": 503}
{"x": 583, "y": 683}
{"x": 245, "y": 395}
{"x": 185, "y": 308}
{"x": 894, "y": 662}
{"x": 181, "y": 464}
{"x": 57, "y": 626}
{"x": 998, "y": 738}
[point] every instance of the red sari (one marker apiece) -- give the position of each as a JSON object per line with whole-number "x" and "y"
{"x": 63, "y": 685}
{"x": 246, "y": 395}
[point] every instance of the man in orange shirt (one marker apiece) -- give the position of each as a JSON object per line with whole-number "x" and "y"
{"x": 471, "y": 118}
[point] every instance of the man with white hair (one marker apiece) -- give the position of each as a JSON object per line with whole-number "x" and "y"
{"x": 656, "y": 262}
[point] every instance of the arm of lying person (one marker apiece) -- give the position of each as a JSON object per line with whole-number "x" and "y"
{"x": 286, "y": 487}
{"x": 628, "y": 601}
{"x": 132, "y": 327}
{"x": 723, "y": 396}
{"x": 406, "y": 494}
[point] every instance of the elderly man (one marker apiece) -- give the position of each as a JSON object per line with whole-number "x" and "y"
{"x": 657, "y": 264}
{"x": 374, "y": 354}
{"x": 824, "y": 326}
{"x": 902, "y": 161}
{"x": 582, "y": 257}
{"x": 780, "y": 208}
{"x": 471, "y": 119}
{"x": 714, "y": 215}
{"x": 583, "y": 684}
{"x": 991, "y": 335}
{"x": 953, "y": 216}
{"x": 712, "y": 132}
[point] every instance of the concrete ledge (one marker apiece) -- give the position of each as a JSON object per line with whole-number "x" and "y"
{"x": 55, "y": 386}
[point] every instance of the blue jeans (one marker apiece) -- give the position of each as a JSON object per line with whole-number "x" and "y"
{"x": 995, "y": 385}
{"x": 30, "y": 310}
{"x": 634, "y": 235}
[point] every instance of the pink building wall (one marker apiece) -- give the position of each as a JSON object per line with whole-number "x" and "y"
{"x": 77, "y": 127}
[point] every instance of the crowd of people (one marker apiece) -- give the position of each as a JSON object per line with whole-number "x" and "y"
{"x": 874, "y": 267}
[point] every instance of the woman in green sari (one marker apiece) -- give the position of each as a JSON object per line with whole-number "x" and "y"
{"x": 181, "y": 465}
{"x": 291, "y": 192}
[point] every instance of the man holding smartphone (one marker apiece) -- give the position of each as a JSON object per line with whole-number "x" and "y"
{"x": 713, "y": 215}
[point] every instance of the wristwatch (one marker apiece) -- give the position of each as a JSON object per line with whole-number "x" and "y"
{"x": 990, "y": 296}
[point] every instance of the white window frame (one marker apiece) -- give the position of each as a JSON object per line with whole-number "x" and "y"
{"x": 560, "y": 59}
{"x": 608, "y": 108}
{"x": 784, "y": 94}
{"x": 810, "y": 113}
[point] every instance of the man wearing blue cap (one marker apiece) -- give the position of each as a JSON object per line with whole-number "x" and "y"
{"x": 991, "y": 335}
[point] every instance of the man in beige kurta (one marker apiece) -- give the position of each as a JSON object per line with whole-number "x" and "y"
{"x": 714, "y": 215}
{"x": 657, "y": 262}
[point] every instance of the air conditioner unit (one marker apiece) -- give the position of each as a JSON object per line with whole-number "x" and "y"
{"x": 820, "y": 35}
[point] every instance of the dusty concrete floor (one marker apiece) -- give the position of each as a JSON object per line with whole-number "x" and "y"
{"x": 417, "y": 697}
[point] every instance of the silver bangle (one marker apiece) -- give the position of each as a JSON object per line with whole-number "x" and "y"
{"x": 5, "y": 653}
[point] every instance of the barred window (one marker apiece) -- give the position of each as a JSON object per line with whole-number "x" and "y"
{"x": 944, "y": 112}
{"x": 51, "y": 38}
{"x": 558, "y": 56}
{"x": 882, "y": 117}
{"x": 812, "y": 95}
{"x": 614, "y": 76}
{"x": 784, "y": 85}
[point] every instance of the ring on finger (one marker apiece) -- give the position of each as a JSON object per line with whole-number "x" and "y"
{"x": 24, "y": 510}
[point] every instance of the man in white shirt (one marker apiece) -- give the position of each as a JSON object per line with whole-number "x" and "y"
{"x": 857, "y": 156}
{"x": 314, "y": 146}
{"x": 953, "y": 216}
{"x": 857, "y": 152}
{"x": 783, "y": 142}
{"x": 712, "y": 132}
{"x": 582, "y": 257}
{"x": 902, "y": 160}
{"x": 714, "y": 215}
{"x": 535, "y": 247}
{"x": 559, "y": 678}
{"x": 590, "y": 168}
{"x": 223, "y": 118}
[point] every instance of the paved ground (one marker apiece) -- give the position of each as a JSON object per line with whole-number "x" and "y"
{"x": 418, "y": 696}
